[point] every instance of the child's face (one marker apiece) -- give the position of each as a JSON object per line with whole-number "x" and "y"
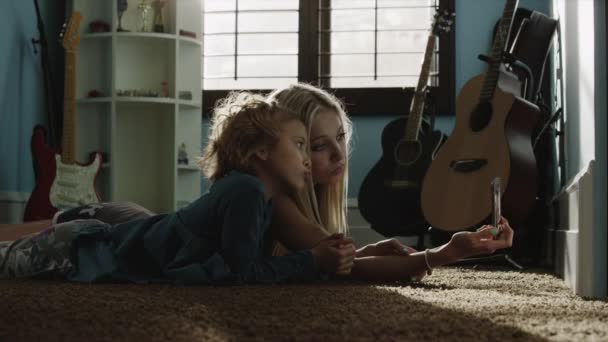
{"x": 328, "y": 147}
{"x": 289, "y": 158}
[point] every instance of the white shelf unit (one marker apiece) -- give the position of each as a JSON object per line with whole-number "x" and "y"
{"x": 140, "y": 135}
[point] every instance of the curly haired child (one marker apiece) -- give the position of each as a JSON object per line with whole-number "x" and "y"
{"x": 256, "y": 149}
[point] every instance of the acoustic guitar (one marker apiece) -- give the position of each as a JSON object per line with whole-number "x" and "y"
{"x": 491, "y": 138}
{"x": 61, "y": 181}
{"x": 389, "y": 197}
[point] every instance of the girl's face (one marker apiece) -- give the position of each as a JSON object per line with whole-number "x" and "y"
{"x": 288, "y": 160}
{"x": 328, "y": 148}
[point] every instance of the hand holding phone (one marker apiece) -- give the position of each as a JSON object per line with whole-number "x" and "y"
{"x": 495, "y": 185}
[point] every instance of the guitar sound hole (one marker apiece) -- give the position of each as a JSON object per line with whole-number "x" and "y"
{"x": 467, "y": 165}
{"x": 407, "y": 152}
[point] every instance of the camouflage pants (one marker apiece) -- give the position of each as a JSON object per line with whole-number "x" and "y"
{"x": 43, "y": 253}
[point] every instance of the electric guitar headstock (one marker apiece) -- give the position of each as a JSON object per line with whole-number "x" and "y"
{"x": 70, "y": 38}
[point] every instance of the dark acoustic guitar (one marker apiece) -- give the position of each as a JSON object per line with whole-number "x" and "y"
{"x": 491, "y": 138}
{"x": 389, "y": 197}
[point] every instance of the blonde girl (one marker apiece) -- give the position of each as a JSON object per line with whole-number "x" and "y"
{"x": 301, "y": 220}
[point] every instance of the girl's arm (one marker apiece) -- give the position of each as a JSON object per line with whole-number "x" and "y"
{"x": 296, "y": 231}
{"x": 397, "y": 267}
{"x": 290, "y": 227}
{"x": 461, "y": 245}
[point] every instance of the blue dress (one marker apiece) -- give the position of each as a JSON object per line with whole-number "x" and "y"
{"x": 221, "y": 238}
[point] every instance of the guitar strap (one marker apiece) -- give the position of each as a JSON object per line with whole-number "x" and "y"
{"x": 52, "y": 106}
{"x": 430, "y": 107}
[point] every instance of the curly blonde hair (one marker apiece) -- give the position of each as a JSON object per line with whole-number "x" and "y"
{"x": 241, "y": 123}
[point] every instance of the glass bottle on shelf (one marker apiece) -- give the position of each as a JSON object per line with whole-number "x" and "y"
{"x": 144, "y": 8}
{"x": 158, "y": 15}
{"x": 121, "y": 7}
{"x": 182, "y": 155}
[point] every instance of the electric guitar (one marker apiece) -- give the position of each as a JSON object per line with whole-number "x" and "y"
{"x": 389, "y": 197}
{"x": 491, "y": 138}
{"x": 62, "y": 182}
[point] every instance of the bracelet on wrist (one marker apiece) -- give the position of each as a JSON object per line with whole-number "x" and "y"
{"x": 429, "y": 269}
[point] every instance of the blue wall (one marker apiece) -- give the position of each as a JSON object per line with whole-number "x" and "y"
{"x": 21, "y": 87}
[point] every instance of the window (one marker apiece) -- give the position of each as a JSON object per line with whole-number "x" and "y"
{"x": 367, "y": 52}
{"x": 250, "y": 44}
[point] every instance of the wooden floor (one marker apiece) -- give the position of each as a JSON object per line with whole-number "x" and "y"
{"x": 9, "y": 232}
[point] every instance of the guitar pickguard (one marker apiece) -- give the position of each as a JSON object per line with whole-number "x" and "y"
{"x": 74, "y": 184}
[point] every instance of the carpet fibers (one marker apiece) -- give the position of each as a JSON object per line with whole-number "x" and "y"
{"x": 454, "y": 304}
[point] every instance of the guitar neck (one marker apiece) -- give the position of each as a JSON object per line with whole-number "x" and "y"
{"x": 417, "y": 107}
{"x": 69, "y": 111}
{"x": 500, "y": 40}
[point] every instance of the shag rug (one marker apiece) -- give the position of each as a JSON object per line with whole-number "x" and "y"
{"x": 454, "y": 304}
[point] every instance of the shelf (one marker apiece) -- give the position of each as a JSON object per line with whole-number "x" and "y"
{"x": 168, "y": 100}
{"x": 188, "y": 103}
{"x": 188, "y": 167}
{"x": 131, "y": 99}
{"x": 141, "y": 132}
{"x": 155, "y": 35}
{"x": 190, "y": 40}
{"x": 96, "y": 35}
{"x": 94, "y": 100}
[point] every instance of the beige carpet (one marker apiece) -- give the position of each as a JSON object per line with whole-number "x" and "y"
{"x": 455, "y": 304}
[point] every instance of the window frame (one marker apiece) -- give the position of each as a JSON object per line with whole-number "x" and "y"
{"x": 359, "y": 101}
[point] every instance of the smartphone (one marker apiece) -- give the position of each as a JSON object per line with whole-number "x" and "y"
{"x": 495, "y": 185}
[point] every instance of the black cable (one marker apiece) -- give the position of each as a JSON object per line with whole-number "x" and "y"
{"x": 551, "y": 120}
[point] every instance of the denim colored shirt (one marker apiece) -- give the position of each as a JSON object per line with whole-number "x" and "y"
{"x": 221, "y": 238}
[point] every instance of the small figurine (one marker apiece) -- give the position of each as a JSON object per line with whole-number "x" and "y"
{"x": 182, "y": 155}
{"x": 164, "y": 92}
{"x": 121, "y": 7}
{"x": 95, "y": 93}
{"x": 99, "y": 26}
{"x": 186, "y": 33}
{"x": 158, "y": 15}
{"x": 185, "y": 95}
{"x": 144, "y": 7}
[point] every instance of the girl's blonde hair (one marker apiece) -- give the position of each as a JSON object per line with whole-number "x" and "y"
{"x": 241, "y": 123}
{"x": 324, "y": 204}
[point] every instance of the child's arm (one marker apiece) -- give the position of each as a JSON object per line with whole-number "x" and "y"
{"x": 244, "y": 214}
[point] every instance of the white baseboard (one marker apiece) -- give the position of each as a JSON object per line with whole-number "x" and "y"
{"x": 12, "y": 206}
{"x": 576, "y": 251}
{"x": 566, "y": 256}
